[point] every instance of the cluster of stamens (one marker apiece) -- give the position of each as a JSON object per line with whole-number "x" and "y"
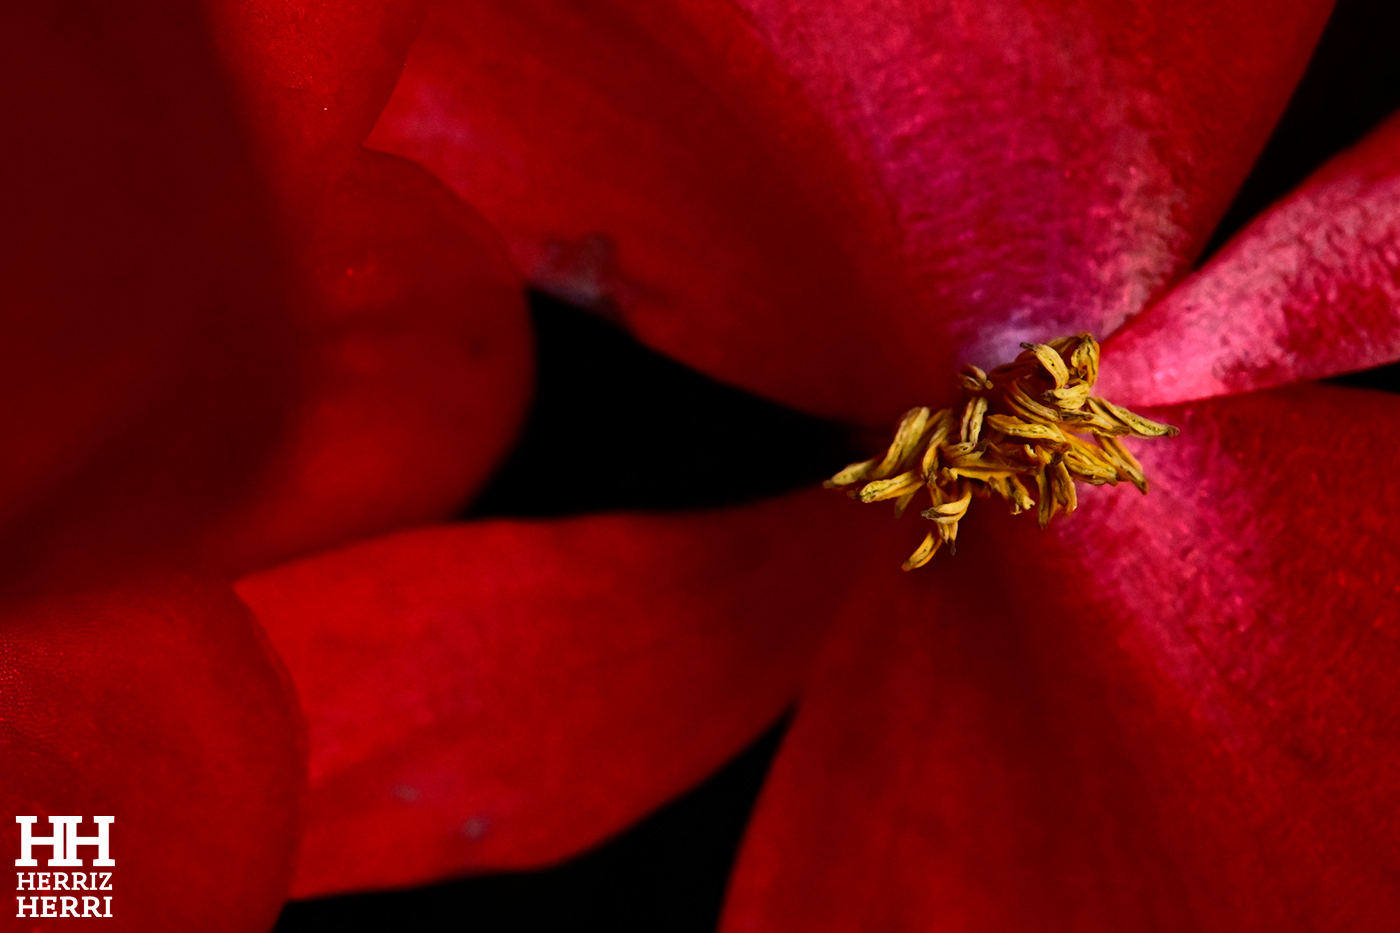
{"x": 1029, "y": 421}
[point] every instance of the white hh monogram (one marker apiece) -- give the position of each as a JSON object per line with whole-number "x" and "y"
{"x": 65, "y": 841}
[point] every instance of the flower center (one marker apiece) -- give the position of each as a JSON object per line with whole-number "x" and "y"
{"x": 1032, "y": 419}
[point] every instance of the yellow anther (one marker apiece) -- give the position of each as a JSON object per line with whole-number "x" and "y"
{"x": 925, "y": 552}
{"x": 973, "y": 414}
{"x": 1069, "y": 398}
{"x": 906, "y": 442}
{"x": 1053, "y": 363}
{"x": 949, "y": 512}
{"x": 1015, "y": 427}
{"x": 1032, "y": 418}
{"x": 893, "y": 488}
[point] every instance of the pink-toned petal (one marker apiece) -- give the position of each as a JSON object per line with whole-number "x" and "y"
{"x": 311, "y": 78}
{"x": 834, "y": 203}
{"x": 1176, "y": 712}
{"x": 156, "y": 702}
{"x": 1311, "y": 289}
{"x": 141, "y": 360}
{"x": 505, "y": 694}
{"x": 417, "y": 369}
{"x": 1052, "y": 167}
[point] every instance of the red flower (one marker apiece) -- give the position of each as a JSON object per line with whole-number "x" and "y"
{"x": 164, "y": 312}
{"x": 1169, "y": 711}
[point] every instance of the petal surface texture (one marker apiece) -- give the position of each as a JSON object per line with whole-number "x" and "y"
{"x": 505, "y": 694}
{"x": 417, "y": 369}
{"x": 143, "y": 315}
{"x": 311, "y": 78}
{"x": 834, "y": 203}
{"x": 1176, "y": 712}
{"x": 1310, "y": 289}
{"x": 157, "y": 703}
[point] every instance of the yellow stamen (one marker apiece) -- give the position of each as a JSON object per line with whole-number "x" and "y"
{"x": 1033, "y": 417}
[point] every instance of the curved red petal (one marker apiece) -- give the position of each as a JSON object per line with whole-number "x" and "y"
{"x": 417, "y": 372}
{"x": 312, "y": 78}
{"x": 1309, "y": 290}
{"x": 879, "y": 189}
{"x": 1175, "y": 712}
{"x": 505, "y": 694}
{"x": 160, "y": 704}
{"x": 143, "y": 319}
{"x": 651, "y": 162}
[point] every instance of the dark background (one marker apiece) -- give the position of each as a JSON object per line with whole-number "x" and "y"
{"x": 598, "y": 389}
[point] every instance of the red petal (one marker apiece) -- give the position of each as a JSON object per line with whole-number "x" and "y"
{"x": 158, "y": 703}
{"x": 417, "y": 375}
{"x": 502, "y": 695}
{"x": 877, "y": 189}
{"x": 142, "y": 315}
{"x": 312, "y": 76}
{"x": 628, "y": 172}
{"x": 1309, "y": 290}
{"x": 1175, "y": 712}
